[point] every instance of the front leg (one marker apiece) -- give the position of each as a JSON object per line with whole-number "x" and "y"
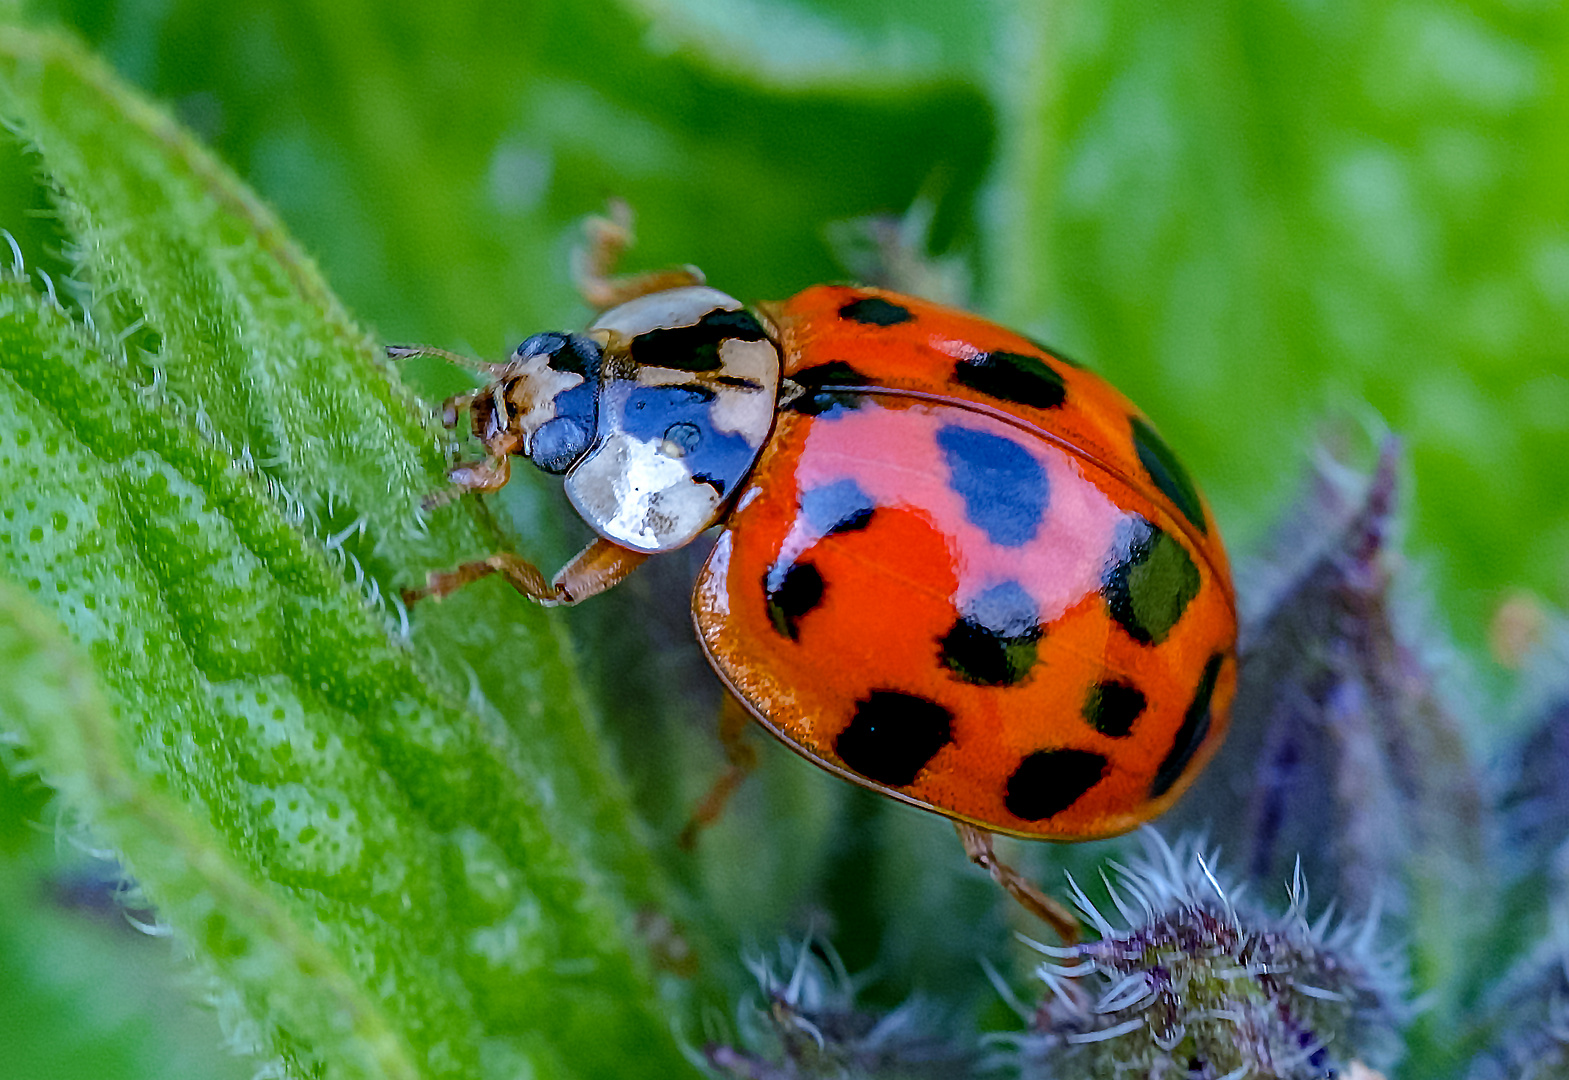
{"x": 600, "y": 566}
{"x": 485, "y": 475}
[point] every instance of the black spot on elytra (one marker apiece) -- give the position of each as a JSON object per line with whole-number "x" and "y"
{"x": 695, "y": 347}
{"x": 838, "y": 507}
{"x": 893, "y": 736}
{"x": 996, "y": 641}
{"x": 792, "y": 591}
{"x": 830, "y": 374}
{"x": 1023, "y": 380}
{"x": 1149, "y": 587}
{"x": 1111, "y": 707}
{"x": 875, "y": 311}
{"x": 1049, "y": 781}
{"x": 1003, "y": 487}
{"x": 821, "y": 388}
{"x": 1191, "y": 735}
{"x": 1167, "y": 472}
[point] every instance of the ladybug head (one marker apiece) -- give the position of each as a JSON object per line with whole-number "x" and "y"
{"x": 545, "y": 405}
{"x": 654, "y": 414}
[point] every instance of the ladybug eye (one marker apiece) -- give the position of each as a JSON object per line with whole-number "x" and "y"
{"x": 559, "y": 443}
{"x": 540, "y": 344}
{"x": 552, "y": 387}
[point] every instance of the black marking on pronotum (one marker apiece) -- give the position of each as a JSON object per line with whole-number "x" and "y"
{"x": 1112, "y": 706}
{"x": 1149, "y": 587}
{"x": 736, "y": 381}
{"x": 875, "y": 311}
{"x": 1003, "y": 487}
{"x": 791, "y": 592}
{"x": 1167, "y": 472}
{"x": 1015, "y": 377}
{"x": 996, "y": 641}
{"x": 718, "y": 483}
{"x": 668, "y": 396}
{"x": 838, "y": 507}
{"x": 821, "y": 391}
{"x": 1049, "y": 781}
{"x": 1191, "y": 735}
{"x": 695, "y": 347}
{"x": 893, "y": 736}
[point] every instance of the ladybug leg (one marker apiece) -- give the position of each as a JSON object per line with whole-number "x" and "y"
{"x": 734, "y": 723}
{"x": 602, "y": 565}
{"x": 978, "y": 846}
{"x": 487, "y": 474}
{"x": 457, "y": 403}
{"x": 596, "y": 568}
{"x": 594, "y": 264}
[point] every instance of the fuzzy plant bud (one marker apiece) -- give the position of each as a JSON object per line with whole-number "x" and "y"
{"x": 1346, "y": 752}
{"x": 1534, "y": 778}
{"x": 808, "y": 1026}
{"x": 1527, "y": 1013}
{"x": 1188, "y": 981}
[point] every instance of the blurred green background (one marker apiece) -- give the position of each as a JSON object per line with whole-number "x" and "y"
{"x": 1251, "y": 217}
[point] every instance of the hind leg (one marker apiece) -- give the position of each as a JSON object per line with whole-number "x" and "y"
{"x": 734, "y": 724}
{"x": 978, "y": 846}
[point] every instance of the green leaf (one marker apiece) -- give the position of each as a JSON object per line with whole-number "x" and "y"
{"x": 1252, "y": 216}
{"x": 1249, "y": 217}
{"x": 211, "y": 487}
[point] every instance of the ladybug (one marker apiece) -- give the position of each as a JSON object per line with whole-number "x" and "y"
{"x": 953, "y": 566}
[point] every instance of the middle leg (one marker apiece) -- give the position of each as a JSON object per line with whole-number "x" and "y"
{"x": 594, "y": 264}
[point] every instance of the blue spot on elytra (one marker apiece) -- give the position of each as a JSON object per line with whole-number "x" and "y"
{"x": 1006, "y": 610}
{"x": 837, "y": 507}
{"x": 1003, "y": 487}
